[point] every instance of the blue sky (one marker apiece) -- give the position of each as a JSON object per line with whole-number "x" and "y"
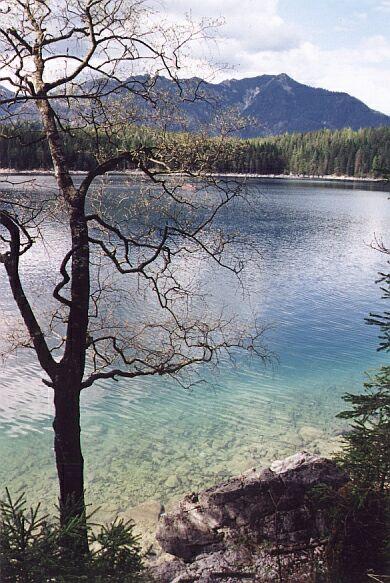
{"x": 333, "y": 23}
{"x": 339, "y": 45}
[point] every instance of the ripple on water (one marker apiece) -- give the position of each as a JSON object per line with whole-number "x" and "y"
{"x": 150, "y": 439}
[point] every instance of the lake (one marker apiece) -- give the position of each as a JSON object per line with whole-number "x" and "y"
{"x": 152, "y": 439}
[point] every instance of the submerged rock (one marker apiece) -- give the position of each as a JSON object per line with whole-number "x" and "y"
{"x": 308, "y": 433}
{"x": 250, "y": 526}
{"x": 146, "y": 517}
{"x": 172, "y": 481}
{"x": 146, "y": 513}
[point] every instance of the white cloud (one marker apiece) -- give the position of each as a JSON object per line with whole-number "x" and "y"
{"x": 353, "y": 21}
{"x": 363, "y": 71}
{"x": 383, "y": 6}
{"x": 255, "y": 25}
{"x": 255, "y": 40}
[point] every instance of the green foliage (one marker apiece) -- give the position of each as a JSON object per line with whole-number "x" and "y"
{"x": 32, "y": 549}
{"x": 365, "y": 152}
{"x": 359, "y": 512}
{"x": 382, "y": 320}
{"x": 117, "y": 551}
{"x": 361, "y": 539}
{"x": 366, "y": 456}
{"x": 358, "y": 537}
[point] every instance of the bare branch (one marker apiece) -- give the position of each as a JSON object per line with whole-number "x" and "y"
{"x": 10, "y": 260}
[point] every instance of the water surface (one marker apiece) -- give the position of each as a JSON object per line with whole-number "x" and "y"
{"x": 149, "y": 438}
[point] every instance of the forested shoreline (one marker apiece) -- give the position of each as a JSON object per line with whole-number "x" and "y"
{"x": 362, "y": 153}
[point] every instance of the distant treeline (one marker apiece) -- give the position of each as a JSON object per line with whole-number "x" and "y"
{"x": 365, "y": 152}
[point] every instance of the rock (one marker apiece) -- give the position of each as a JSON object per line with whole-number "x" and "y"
{"x": 146, "y": 513}
{"x": 173, "y": 481}
{"x": 293, "y": 462}
{"x": 217, "y": 529}
{"x": 240, "y": 564}
{"x": 308, "y": 433}
{"x": 145, "y": 517}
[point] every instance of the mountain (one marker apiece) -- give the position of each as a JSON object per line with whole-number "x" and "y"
{"x": 6, "y": 109}
{"x": 270, "y": 104}
{"x": 277, "y": 104}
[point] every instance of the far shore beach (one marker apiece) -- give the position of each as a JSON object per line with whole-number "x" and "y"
{"x": 304, "y": 177}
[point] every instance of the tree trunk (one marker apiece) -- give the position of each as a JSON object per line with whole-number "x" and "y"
{"x": 67, "y": 385}
{"x": 69, "y": 459}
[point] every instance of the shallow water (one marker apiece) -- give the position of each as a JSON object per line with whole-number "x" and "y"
{"x": 150, "y": 439}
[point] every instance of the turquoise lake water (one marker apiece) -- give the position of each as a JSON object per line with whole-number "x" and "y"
{"x": 151, "y": 439}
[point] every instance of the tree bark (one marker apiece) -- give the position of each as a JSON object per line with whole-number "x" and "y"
{"x": 69, "y": 458}
{"x": 67, "y": 384}
{"x": 70, "y": 464}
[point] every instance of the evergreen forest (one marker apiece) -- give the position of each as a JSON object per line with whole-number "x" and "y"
{"x": 362, "y": 153}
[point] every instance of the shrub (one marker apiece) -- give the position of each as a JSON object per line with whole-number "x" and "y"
{"x": 32, "y": 549}
{"x": 366, "y": 456}
{"x": 360, "y": 510}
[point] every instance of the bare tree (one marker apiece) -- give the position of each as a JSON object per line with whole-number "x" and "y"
{"x": 75, "y": 63}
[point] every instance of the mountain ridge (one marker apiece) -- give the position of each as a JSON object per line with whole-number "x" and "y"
{"x": 272, "y": 104}
{"x": 280, "y": 104}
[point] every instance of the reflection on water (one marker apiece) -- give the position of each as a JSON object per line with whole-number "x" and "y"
{"x": 150, "y": 438}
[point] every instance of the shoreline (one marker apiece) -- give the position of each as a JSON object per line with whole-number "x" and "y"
{"x": 308, "y": 178}
{"x": 298, "y": 177}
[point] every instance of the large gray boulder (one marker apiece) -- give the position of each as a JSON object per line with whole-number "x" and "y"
{"x": 264, "y": 510}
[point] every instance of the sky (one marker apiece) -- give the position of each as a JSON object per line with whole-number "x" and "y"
{"x": 340, "y": 45}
